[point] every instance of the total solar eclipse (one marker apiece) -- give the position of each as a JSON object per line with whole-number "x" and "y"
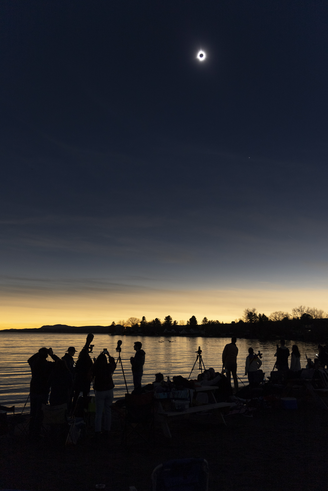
{"x": 201, "y": 55}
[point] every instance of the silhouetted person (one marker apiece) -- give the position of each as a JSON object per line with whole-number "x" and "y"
{"x": 295, "y": 359}
{"x": 69, "y": 360}
{"x": 61, "y": 384}
{"x": 322, "y": 356}
{"x": 282, "y": 355}
{"x": 41, "y": 370}
{"x": 103, "y": 386}
{"x": 83, "y": 372}
{"x": 229, "y": 361}
{"x": 253, "y": 364}
{"x": 137, "y": 362}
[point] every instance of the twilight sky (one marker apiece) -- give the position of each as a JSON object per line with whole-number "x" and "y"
{"x": 136, "y": 180}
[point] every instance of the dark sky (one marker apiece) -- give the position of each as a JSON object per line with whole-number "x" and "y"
{"x": 136, "y": 180}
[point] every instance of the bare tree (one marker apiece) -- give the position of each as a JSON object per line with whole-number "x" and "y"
{"x": 132, "y": 321}
{"x": 279, "y": 316}
{"x": 316, "y": 313}
{"x": 299, "y": 311}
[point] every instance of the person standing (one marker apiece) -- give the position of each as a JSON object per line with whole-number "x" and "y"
{"x": 83, "y": 373}
{"x": 69, "y": 361}
{"x": 229, "y": 361}
{"x": 295, "y": 359}
{"x": 253, "y": 364}
{"x": 137, "y": 362}
{"x": 322, "y": 356}
{"x": 61, "y": 385}
{"x": 41, "y": 370}
{"x": 103, "y": 385}
{"x": 282, "y": 355}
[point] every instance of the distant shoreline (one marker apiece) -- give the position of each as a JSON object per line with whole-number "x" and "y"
{"x": 294, "y": 329}
{"x": 62, "y": 329}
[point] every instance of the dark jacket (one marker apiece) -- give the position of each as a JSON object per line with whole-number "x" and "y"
{"x": 41, "y": 370}
{"x": 138, "y": 361}
{"x": 103, "y": 376}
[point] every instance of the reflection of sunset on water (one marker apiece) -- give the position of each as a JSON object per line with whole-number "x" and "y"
{"x": 169, "y": 355}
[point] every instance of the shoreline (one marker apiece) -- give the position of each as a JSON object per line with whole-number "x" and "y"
{"x": 105, "y": 330}
{"x": 272, "y": 448}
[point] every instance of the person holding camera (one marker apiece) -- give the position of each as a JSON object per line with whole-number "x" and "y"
{"x": 103, "y": 386}
{"x": 252, "y": 368}
{"x": 41, "y": 369}
{"x": 83, "y": 372}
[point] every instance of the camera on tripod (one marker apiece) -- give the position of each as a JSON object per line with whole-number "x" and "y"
{"x": 200, "y": 361}
{"x": 119, "y": 360}
{"x": 258, "y": 354}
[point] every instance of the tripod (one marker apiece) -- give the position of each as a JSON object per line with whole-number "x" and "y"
{"x": 119, "y": 359}
{"x": 200, "y": 361}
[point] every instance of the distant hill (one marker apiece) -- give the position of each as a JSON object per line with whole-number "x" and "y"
{"x": 75, "y": 329}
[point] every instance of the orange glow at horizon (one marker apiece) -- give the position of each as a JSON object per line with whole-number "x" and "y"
{"x": 102, "y": 309}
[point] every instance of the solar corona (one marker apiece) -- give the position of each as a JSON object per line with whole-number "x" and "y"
{"x": 201, "y": 55}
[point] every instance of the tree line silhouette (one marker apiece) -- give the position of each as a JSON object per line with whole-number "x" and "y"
{"x": 303, "y": 323}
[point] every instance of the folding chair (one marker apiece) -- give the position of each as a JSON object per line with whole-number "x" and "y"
{"x": 181, "y": 475}
{"x": 139, "y": 417}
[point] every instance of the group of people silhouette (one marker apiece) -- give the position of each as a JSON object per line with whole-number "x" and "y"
{"x": 62, "y": 381}
{"x": 253, "y": 361}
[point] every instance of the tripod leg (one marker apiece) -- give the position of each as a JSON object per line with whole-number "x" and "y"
{"x": 126, "y": 385}
{"x": 193, "y": 366}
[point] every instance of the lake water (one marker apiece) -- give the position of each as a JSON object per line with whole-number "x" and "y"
{"x": 170, "y": 355}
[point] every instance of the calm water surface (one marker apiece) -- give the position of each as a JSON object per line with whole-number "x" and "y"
{"x": 169, "y": 355}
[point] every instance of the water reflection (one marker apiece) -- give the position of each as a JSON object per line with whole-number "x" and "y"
{"x": 169, "y": 355}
